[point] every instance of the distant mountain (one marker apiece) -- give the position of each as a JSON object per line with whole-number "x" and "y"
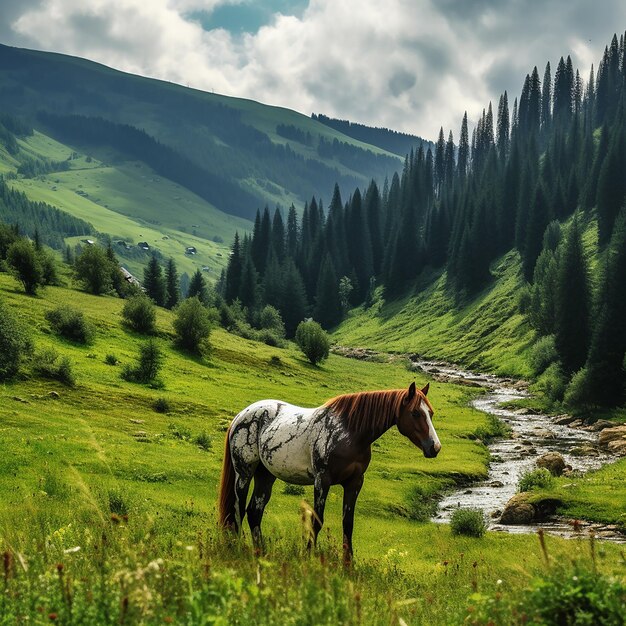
{"x": 242, "y": 153}
{"x": 384, "y": 138}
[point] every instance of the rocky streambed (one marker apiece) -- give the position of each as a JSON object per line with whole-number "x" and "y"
{"x": 575, "y": 447}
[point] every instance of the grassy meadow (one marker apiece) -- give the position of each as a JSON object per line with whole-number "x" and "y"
{"x": 108, "y": 504}
{"x": 126, "y": 199}
{"x": 488, "y": 333}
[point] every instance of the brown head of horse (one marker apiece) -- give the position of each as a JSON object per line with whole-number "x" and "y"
{"x": 324, "y": 446}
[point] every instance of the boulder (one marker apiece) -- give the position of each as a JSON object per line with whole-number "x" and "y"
{"x": 518, "y": 511}
{"x": 618, "y": 447}
{"x": 601, "y": 425}
{"x": 553, "y": 462}
{"x": 564, "y": 419}
{"x": 584, "y": 450}
{"x": 612, "y": 434}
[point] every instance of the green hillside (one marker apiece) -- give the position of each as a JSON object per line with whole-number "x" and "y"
{"x": 117, "y": 488}
{"x": 269, "y": 153}
{"x": 128, "y": 201}
{"x": 488, "y": 333}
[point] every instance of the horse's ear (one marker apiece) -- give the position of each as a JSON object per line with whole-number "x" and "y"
{"x": 425, "y": 389}
{"x": 411, "y": 392}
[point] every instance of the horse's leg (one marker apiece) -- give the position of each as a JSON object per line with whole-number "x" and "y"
{"x": 351, "y": 490}
{"x": 321, "y": 487}
{"x": 263, "y": 483}
{"x": 242, "y": 484}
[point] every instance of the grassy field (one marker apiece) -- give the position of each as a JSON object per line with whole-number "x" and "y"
{"x": 489, "y": 333}
{"x": 107, "y": 512}
{"x": 126, "y": 199}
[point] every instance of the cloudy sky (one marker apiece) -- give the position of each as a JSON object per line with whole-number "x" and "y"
{"x": 411, "y": 65}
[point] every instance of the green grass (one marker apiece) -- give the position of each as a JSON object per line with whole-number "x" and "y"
{"x": 73, "y": 467}
{"x": 488, "y": 333}
{"x": 126, "y": 199}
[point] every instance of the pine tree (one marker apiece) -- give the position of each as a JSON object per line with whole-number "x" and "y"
{"x": 327, "y": 302}
{"x": 611, "y": 186}
{"x": 293, "y": 302}
{"x": 546, "y": 101}
{"x": 233, "y": 271}
{"x": 292, "y": 232}
{"x": 153, "y": 281}
{"x": 248, "y": 288}
{"x": 502, "y": 131}
{"x": 278, "y": 235}
{"x": 172, "y": 289}
{"x": 197, "y": 287}
{"x": 605, "y": 365}
{"x": 464, "y": 149}
{"x": 572, "y": 302}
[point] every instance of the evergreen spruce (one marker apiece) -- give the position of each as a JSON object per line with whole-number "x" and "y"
{"x": 153, "y": 281}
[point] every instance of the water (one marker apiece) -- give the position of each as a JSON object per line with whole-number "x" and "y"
{"x": 532, "y": 436}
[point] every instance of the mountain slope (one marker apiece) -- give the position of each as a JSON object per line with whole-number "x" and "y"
{"x": 234, "y": 139}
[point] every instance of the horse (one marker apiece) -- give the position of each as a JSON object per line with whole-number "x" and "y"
{"x": 324, "y": 446}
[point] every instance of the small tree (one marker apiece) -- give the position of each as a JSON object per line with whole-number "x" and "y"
{"x": 148, "y": 364}
{"x": 26, "y": 265}
{"x": 153, "y": 281}
{"x": 93, "y": 270}
{"x": 313, "y": 341}
{"x": 192, "y": 325}
{"x": 71, "y": 324}
{"x": 172, "y": 288}
{"x": 139, "y": 313}
{"x": 15, "y": 342}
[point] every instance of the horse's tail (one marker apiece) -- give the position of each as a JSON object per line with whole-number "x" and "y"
{"x": 227, "y": 489}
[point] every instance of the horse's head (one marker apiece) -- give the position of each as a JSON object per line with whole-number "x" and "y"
{"x": 415, "y": 421}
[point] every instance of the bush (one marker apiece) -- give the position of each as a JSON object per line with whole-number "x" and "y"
{"x": 543, "y": 354}
{"x": 49, "y": 365}
{"x": 71, "y": 324}
{"x": 536, "y": 479}
{"x": 468, "y": 522}
{"x": 139, "y": 313}
{"x": 192, "y": 326}
{"x": 577, "y": 392}
{"x": 203, "y": 440}
{"x": 15, "y": 343}
{"x": 270, "y": 338}
{"x": 148, "y": 365}
{"x": 293, "y": 490}
{"x": 552, "y": 383}
{"x": 179, "y": 432}
{"x": 161, "y": 405}
{"x": 270, "y": 319}
{"x": 313, "y": 341}
{"x": 575, "y": 596}
{"x": 111, "y": 359}
{"x": 94, "y": 270}
{"x": 25, "y": 264}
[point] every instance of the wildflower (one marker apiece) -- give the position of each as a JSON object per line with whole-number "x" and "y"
{"x": 52, "y": 617}
{"x": 71, "y": 550}
{"x": 499, "y": 581}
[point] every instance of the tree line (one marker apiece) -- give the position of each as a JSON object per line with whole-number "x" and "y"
{"x": 561, "y": 148}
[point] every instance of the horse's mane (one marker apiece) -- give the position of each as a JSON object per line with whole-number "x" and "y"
{"x": 371, "y": 410}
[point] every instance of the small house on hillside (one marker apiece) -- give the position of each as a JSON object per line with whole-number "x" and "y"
{"x": 190, "y": 250}
{"x": 143, "y": 245}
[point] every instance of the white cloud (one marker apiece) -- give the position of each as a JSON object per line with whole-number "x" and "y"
{"x": 408, "y": 64}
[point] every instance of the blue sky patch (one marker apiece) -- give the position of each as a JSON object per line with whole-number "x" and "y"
{"x": 249, "y": 16}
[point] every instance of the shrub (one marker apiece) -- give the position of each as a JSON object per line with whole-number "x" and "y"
{"x": 577, "y": 392}
{"x": 536, "y": 479}
{"x": 203, "y": 440}
{"x": 192, "y": 326}
{"x": 552, "y": 383}
{"x": 15, "y": 342}
{"x": 179, "y": 432}
{"x": 49, "y": 365}
{"x": 270, "y": 319}
{"x": 543, "y": 354}
{"x": 468, "y": 522}
{"x": 313, "y": 341}
{"x": 148, "y": 365}
{"x": 161, "y": 405}
{"x": 293, "y": 490}
{"x": 49, "y": 272}
{"x": 117, "y": 503}
{"x": 94, "y": 270}
{"x": 111, "y": 359}
{"x": 575, "y": 596}
{"x": 25, "y": 264}
{"x": 139, "y": 313}
{"x": 270, "y": 338}
{"x": 71, "y": 324}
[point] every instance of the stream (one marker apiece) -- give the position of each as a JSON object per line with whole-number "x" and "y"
{"x": 532, "y": 436}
